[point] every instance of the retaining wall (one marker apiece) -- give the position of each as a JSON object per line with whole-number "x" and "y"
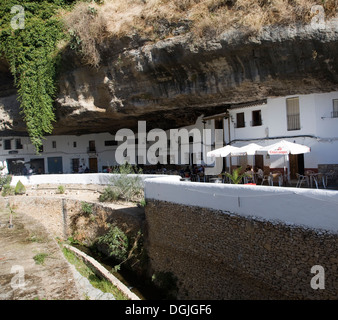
{"x": 241, "y": 242}
{"x": 63, "y": 218}
{"x": 84, "y": 178}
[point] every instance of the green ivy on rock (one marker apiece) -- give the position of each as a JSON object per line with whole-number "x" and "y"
{"x": 33, "y": 57}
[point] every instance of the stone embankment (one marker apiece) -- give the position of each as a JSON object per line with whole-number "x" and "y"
{"x": 221, "y": 255}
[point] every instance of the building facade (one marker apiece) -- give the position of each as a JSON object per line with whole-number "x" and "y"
{"x": 311, "y": 120}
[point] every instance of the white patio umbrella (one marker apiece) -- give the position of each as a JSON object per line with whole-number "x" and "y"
{"x": 222, "y": 152}
{"x": 249, "y": 150}
{"x": 284, "y": 147}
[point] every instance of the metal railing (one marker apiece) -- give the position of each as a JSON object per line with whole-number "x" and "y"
{"x": 334, "y": 114}
{"x": 256, "y": 123}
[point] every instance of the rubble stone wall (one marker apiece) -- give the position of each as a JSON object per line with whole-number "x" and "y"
{"x": 215, "y": 254}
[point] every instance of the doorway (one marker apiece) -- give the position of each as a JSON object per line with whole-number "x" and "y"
{"x": 93, "y": 165}
{"x": 259, "y": 161}
{"x": 15, "y": 166}
{"x": 296, "y": 165}
{"x": 54, "y": 165}
{"x": 38, "y": 165}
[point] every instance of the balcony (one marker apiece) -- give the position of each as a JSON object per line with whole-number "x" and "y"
{"x": 334, "y": 114}
{"x": 256, "y": 123}
{"x": 91, "y": 150}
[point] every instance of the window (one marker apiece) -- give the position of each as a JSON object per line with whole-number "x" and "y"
{"x": 218, "y": 123}
{"x": 92, "y": 146}
{"x": 18, "y": 144}
{"x": 54, "y": 144}
{"x": 292, "y": 113}
{"x": 256, "y": 118}
{"x": 240, "y": 120}
{"x": 74, "y": 144}
{"x": 109, "y": 143}
{"x": 7, "y": 144}
{"x": 335, "y": 109}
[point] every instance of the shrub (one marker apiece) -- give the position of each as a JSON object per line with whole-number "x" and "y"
{"x": 19, "y": 188}
{"x": 109, "y": 194}
{"x": 86, "y": 208}
{"x": 61, "y": 189}
{"x": 4, "y": 179}
{"x": 7, "y": 190}
{"x": 125, "y": 185}
{"x": 236, "y": 177}
{"x": 116, "y": 242}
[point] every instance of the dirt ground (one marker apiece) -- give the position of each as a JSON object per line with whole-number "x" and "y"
{"x": 21, "y": 276}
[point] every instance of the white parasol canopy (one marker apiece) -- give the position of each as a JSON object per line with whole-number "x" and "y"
{"x": 284, "y": 147}
{"x": 249, "y": 150}
{"x": 222, "y": 152}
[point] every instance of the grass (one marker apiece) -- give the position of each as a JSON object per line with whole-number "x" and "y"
{"x": 96, "y": 282}
{"x": 40, "y": 258}
{"x": 89, "y": 24}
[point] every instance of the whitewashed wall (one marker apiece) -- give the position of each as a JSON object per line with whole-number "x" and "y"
{"x": 300, "y": 207}
{"x": 316, "y": 121}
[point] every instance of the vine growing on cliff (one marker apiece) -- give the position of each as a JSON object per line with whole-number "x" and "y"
{"x": 29, "y": 34}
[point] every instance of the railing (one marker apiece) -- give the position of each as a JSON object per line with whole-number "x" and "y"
{"x": 293, "y": 122}
{"x": 91, "y": 150}
{"x": 334, "y": 114}
{"x": 256, "y": 123}
{"x": 240, "y": 125}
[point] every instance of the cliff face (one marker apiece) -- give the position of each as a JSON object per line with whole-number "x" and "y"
{"x": 171, "y": 82}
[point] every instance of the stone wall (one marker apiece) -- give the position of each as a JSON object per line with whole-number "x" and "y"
{"x": 325, "y": 168}
{"x": 63, "y": 218}
{"x": 220, "y": 255}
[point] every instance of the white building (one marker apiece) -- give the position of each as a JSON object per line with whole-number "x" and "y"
{"x": 59, "y": 154}
{"x": 311, "y": 120}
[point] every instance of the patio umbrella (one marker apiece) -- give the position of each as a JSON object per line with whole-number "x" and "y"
{"x": 222, "y": 152}
{"x": 284, "y": 147}
{"x": 249, "y": 149}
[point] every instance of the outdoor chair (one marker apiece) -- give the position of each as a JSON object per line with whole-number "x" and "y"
{"x": 300, "y": 179}
{"x": 276, "y": 177}
{"x": 266, "y": 178}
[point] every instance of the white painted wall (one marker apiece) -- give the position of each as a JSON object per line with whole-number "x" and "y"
{"x": 311, "y": 208}
{"x": 316, "y": 121}
{"x": 85, "y": 178}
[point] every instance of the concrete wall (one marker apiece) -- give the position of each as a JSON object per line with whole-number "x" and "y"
{"x": 242, "y": 242}
{"x": 84, "y": 179}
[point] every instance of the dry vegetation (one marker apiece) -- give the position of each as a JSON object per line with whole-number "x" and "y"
{"x": 91, "y": 23}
